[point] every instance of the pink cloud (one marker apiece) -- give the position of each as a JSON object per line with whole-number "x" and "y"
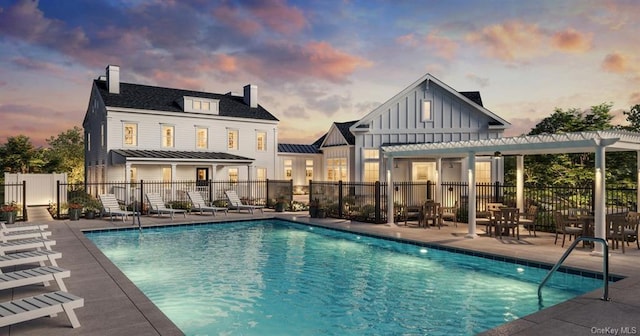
{"x": 408, "y": 39}
{"x": 232, "y": 17}
{"x": 509, "y": 41}
{"x": 328, "y": 62}
{"x": 276, "y": 15}
{"x": 615, "y": 62}
{"x": 571, "y": 40}
{"x": 444, "y": 47}
{"x": 36, "y": 122}
{"x": 226, "y": 63}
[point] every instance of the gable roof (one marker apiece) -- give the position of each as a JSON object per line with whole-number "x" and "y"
{"x": 346, "y": 133}
{"x": 146, "y": 97}
{"x": 298, "y": 149}
{"x": 472, "y": 98}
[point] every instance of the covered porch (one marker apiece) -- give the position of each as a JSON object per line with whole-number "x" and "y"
{"x": 598, "y": 142}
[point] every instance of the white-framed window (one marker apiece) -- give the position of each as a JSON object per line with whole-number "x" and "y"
{"x": 423, "y": 171}
{"x": 88, "y": 141}
{"x": 101, "y": 135}
{"x": 261, "y": 174}
{"x": 202, "y": 136}
{"x": 371, "y": 171}
{"x": 261, "y": 141}
{"x": 483, "y": 172}
{"x": 370, "y": 154}
{"x": 309, "y": 169}
{"x": 337, "y": 169}
{"x": 166, "y": 174}
{"x": 206, "y": 106}
{"x": 233, "y": 175}
{"x": 288, "y": 169}
{"x": 232, "y": 139}
{"x": 197, "y": 105}
{"x": 167, "y": 136}
{"x": 130, "y": 134}
{"x": 426, "y": 110}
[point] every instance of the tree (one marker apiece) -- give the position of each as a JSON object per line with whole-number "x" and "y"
{"x": 633, "y": 117}
{"x": 19, "y": 156}
{"x": 66, "y": 154}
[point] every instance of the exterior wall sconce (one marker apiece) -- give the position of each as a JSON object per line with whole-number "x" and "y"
{"x": 497, "y": 155}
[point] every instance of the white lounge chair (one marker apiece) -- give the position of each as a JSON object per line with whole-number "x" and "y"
{"x": 29, "y": 257}
{"x": 156, "y": 205}
{"x": 49, "y": 304}
{"x": 33, "y": 276}
{"x": 25, "y": 245}
{"x": 6, "y": 236}
{"x": 41, "y": 227}
{"x": 198, "y": 204}
{"x": 236, "y": 203}
{"x": 111, "y": 207}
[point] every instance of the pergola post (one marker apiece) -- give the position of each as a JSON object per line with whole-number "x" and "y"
{"x": 390, "y": 212}
{"x": 438, "y": 188}
{"x": 638, "y": 179}
{"x": 471, "y": 198}
{"x": 600, "y": 229}
{"x": 520, "y": 183}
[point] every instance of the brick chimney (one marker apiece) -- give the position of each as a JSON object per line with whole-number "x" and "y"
{"x": 113, "y": 78}
{"x": 251, "y": 95}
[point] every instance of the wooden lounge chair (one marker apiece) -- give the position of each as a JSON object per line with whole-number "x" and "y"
{"x": 450, "y": 213}
{"x": 156, "y": 205}
{"x": 25, "y": 245}
{"x": 111, "y": 207}
{"x": 49, "y": 304}
{"x": 29, "y": 257}
{"x": 528, "y": 219}
{"x": 33, "y": 276}
{"x": 6, "y": 236}
{"x": 236, "y": 203}
{"x": 198, "y": 203}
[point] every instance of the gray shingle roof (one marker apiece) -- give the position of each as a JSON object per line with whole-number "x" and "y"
{"x": 474, "y": 96}
{"x": 159, "y": 154}
{"x": 166, "y": 99}
{"x": 298, "y": 149}
{"x": 346, "y": 133}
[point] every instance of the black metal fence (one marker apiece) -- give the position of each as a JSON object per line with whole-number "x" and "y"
{"x": 368, "y": 201}
{"x": 131, "y": 195}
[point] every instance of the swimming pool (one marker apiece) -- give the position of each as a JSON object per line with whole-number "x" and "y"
{"x": 273, "y": 277}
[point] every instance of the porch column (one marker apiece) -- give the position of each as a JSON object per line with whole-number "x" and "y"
{"x": 471, "y": 200}
{"x": 127, "y": 180}
{"x": 173, "y": 179}
{"x": 520, "y": 183}
{"x": 600, "y": 229}
{"x": 638, "y": 179}
{"x": 390, "y": 212}
{"x": 438, "y": 189}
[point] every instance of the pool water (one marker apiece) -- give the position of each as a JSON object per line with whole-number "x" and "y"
{"x": 272, "y": 277}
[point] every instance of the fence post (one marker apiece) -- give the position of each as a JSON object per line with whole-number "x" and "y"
{"x": 429, "y": 193}
{"x": 377, "y": 203}
{"x": 267, "y": 198}
{"x": 210, "y": 191}
{"x": 25, "y": 217}
{"x": 593, "y": 197}
{"x": 57, "y": 199}
{"x": 496, "y": 192}
{"x": 310, "y": 191}
{"x": 340, "y": 199}
{"x": 141, "y": 196}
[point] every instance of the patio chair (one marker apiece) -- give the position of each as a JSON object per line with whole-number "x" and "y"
{"x": 15, "y": 228}
{"x": 431, "y": 213}
{"x": 615, "y": 231}
{"x": 198, "y": 203}
{"x": 49, "y": 304}
{"x": 450, "y": 213}
{"x": 528, "y": 219}
{"x": 111, "y": 207}
{"x": 631, "y": 229}
{"x": 508, "y": 221}
{"x": 36, "y": 275}
{"x": 26, "y": 245}
{"x": 156, "y": 205}
{"x": 563, "y": 226}
{"x": 412, "y": 212}
{"x": 236, "y": 203}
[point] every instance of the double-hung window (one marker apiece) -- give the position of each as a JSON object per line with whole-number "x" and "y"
{"x": 202, "y": 137}
{"x": 130, "y": 134}
{"x": 261, "y": 141}
{"x": 232, "y": 139}
{"x": 167, "y": 136}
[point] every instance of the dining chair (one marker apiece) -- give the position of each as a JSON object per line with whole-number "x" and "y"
{"x": 563, "y": 226}
{"x": 631, "y": 229}
{"x": 507, "y": 221}
{"x": 615, "y": 231}
{"x": 431, "y": 213}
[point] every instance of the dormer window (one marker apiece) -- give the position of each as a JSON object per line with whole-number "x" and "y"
{"x": 199, "y": 105}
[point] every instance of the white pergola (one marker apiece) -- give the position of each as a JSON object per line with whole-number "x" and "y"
{"x": 598, "y": 142}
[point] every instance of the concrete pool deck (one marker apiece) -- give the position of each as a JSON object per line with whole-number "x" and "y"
{"x": 115, "y": 306}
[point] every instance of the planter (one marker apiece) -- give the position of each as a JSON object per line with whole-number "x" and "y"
{"x": 74, "y": 214}
{"x": 9, "y": 217}
{"x": 313, "y": 211}
{"x": 322, "y": 213}
{"x": 279, "y": 207}
{"x": 90, "y": 214}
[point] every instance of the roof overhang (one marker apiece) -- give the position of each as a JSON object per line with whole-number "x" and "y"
{"x": 157, "y": 156}
{"x": 580, "y": 142}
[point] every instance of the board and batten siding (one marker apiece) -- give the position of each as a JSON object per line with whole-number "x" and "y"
{"x": 399, "y": 121}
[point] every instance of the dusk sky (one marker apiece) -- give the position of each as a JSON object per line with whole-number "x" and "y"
{"x": 316, "y": 62}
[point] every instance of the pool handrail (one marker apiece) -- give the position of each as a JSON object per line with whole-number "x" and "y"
{"x": 605, "y": 266}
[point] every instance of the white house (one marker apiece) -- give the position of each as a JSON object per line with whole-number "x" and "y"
{"x": 135, "y": 132}
{"x": 427, "y": 111}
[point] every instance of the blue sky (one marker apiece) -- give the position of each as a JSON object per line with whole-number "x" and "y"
{"x": 316, "y": 62}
